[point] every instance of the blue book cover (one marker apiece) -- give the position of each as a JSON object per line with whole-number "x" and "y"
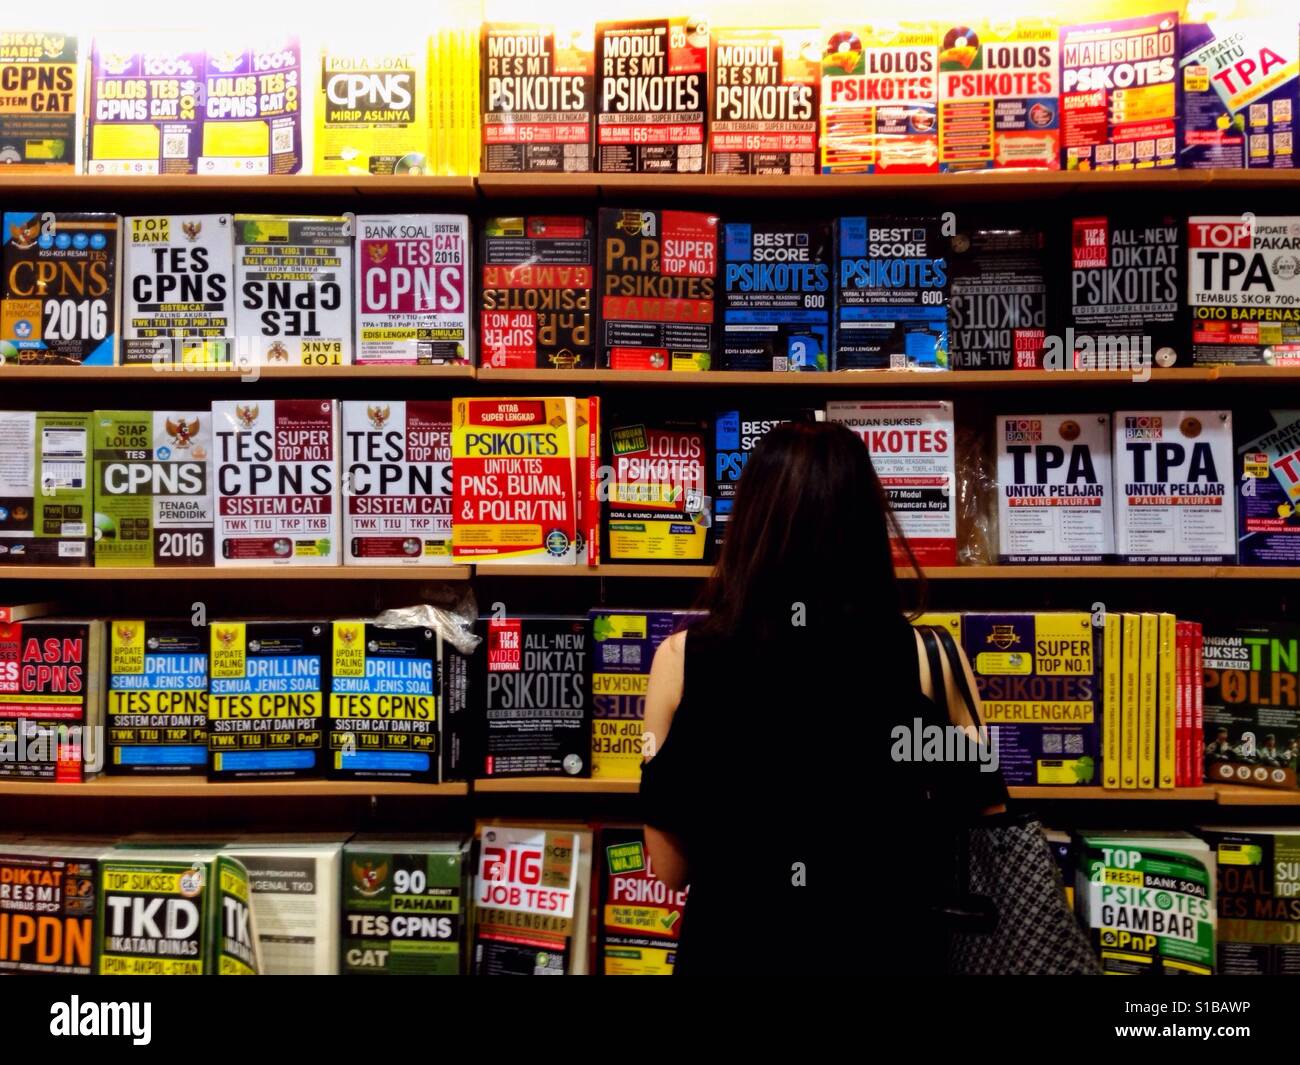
{"x": 776, "y": 290}
{"x": 891, "y": 294}
{"x": 735, "y": 434}
{"x": 1268, "y": 514}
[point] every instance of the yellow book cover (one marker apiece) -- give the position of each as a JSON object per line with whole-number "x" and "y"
{"x": 39, "y": 75}
{"x": 1130, "y": 672}
{"x": 1112, "y": 708}
{"x": 514, "y": 484}
{"x": 1148, "y": 696}
{"x": 1166, "y": 731}
{"x": 372, "y": 112}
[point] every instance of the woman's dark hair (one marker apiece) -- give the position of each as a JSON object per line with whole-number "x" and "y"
{"x": 811, "y": 526}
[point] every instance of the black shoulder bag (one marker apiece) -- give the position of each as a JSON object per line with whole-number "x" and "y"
{"x": 1007, "y": 913}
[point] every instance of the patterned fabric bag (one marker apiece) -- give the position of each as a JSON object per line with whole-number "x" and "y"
{"x": 1007, "y": 913}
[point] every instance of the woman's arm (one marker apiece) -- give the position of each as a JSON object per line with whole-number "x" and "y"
{"x": 662, "y": 697}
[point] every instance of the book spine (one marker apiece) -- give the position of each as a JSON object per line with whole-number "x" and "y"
{"x": 1198, "y": 703}
{"x": 1111, "y": 714}
{"x": 592, "y": 518}
{"x": 1148, "y": 696}
{"x": 1182, "y": 776}
{"x": 1129, "y": 734}
{"x": 453, "y": 678}
{"x": 1168, "y": 711}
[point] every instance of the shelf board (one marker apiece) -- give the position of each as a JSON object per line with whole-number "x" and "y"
{"x": 360, "y": 574}
{"x": 1240, "y": 795}
{"x": 181, "y": 373}
{"x": 611, "y": 569}
{"x": 557, "y": 786}
{"x": 860, "y": 380}
{"x": 1077, "y": 794}
{"x": 288, "y": 185}
{"x": 196, "y": 787}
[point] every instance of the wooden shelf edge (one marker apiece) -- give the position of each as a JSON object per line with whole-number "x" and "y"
{"x": 1077, "y": 794}
{"x": 556, "y": 786}
{"x": 185, "y": 787}
{"x": 180, "y": 374}
{"x": 235, "y": 573}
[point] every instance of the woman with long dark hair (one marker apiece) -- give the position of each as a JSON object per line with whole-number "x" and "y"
{"x": 769, "y": 785}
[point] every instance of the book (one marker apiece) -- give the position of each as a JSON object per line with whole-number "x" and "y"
{"x": 999, "y": 95}
{"x": 530, "y": 679}
{"x": 383, "y": 705}
{"x": 454, "y": 103}
{"x": 58, "y": 304}
{"x": 406, "y": 906}
{"x": 26, "y": 611}
{"x": 532, "y": 900}
{"x": 175, "y": 912}
{"x": 294, "y": 276}
{"x": 179, "y": 296}
{"x": 47, "y": 908}
{"x": 1251, "y": 704}
{"x": 144, "y": 103}
{"x": 1173, "y": 503}
{"x": 413, "y": 290}
{"x": 911, "y": 446}
{"x": 276, "y": 468}
{"x": 640, "y": 922}
{"x": 458, "y": 756}
{"x": 538, "y": 97}
{"x": 252, "y": 95}
{"x": 46, "y": 496}
{"x": 536, "y": 309}
{"x": 1039, "y": 677}
{"x": 1258, "y": 899}
{"x": 1167, "y": 708}
{"x": 267, "y": 682}
{"x": 153, "y": 493}
{"x": 1268, "y": 504}
{"x": 1238, "y": 77}
{"x": 1120, "y": 104}
{"x": 1126, "y": 308}
{"x": 1148, "y": 700}
{"x": 765, "y": 86}
{"x": 998, "y": 302}
{"x": 396, "y": 467}
{"x": 1055, "y": 500}
{"x": 1184, "y": 648}
{"x": 776, "y": 295}
{"x": 41, "y": 72}
{"x": 515, "y": 480}
{"x": 1131, "y": 688}
{"x": 590, "y": 480}
{"x": 735, "y": 434}
{"x": 295, "y": 885}
{"x": 1198, "y": 702}
{"x": 880, "y": 86}
{"x": 652, "y": 110}
{"x": 1148, "y": 902}
{"x": 373, "y": 105}
{"x": 891, "y": 296}
{"x": 1112, "y": 707}
{"x": 658, "y": 508}
{"x": 623, "y": 645}
{"x": 658, "y": 289}
{"x": 1242, "y": 290}
{"x": 157, "y": 709}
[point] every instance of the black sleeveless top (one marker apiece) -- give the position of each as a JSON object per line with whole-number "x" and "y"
{"x": 807, "y": 843}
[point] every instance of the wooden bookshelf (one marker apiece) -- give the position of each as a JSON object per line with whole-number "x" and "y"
{"x": 556, "y": 786}
{"x": 1240, "y": 795}
{"x": 191, "y": 787}
{"x": 1084, "y": 794}
{"x": 103, "y": 187}
{"x": 360, "y": 574}
{"x": 179, "y": 374}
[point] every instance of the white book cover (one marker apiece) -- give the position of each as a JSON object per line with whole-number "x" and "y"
{"x": 276, "y": 472}
{"x": 178, "y": 302}
{"x": 396, "y": 482}
{"x": 296, "y": 903}
{"x": 1054, "y": 488}
{"x": 1174, "y": 493}
{"x": 413, "y": 289}
{"x": 294, "y": 280}
{"x": 911, "y": 445}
